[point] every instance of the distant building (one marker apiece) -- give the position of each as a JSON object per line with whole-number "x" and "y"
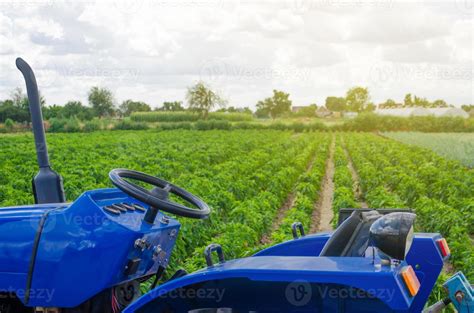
{"x": 322, "y": 111}
{"x": 418, "y": 111}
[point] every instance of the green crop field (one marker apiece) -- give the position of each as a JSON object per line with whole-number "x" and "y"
{"x": 259, "y": 182}
{"x": 456, "y": 146}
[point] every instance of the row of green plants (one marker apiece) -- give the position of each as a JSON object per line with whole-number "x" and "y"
{"x": 243, "y": 175}
{"x": 85, "y": 159}
{"x": 426, "y": 173}
{"x": 259, "y": 194}
{"x": 247, "y": 223}
{"x": 440, "y": 191}
{"x": 187, "y": 116}
{"x": 344, "y": 196}
{"x": 306, "y": 195}
{"x": 452, "y": 146}
{"x": 227, "y": 170}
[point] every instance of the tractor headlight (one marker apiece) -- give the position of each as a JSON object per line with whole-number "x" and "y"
{"x": 393, "y": 234}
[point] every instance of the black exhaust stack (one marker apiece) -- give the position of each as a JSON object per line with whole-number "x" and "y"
{"x": 47, "y": 184}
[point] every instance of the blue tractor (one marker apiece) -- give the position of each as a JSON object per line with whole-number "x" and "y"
{"x": 91, "y": 255}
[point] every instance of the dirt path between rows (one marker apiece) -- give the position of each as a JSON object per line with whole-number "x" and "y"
{"x": 356, "y": 181}
{"x": 323, "y": 214}
{"x": 289, "y": 203}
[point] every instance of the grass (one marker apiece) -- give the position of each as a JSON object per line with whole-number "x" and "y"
{"x": 454, "y": 146}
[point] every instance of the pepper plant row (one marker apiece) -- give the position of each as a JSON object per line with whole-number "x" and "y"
{"x": 240, "y": 233}
{"x": 232, "y": 171}
{"x": 440, "y": 191}
{"x": 344, "y": 196}
{"x": 306, "y": 194}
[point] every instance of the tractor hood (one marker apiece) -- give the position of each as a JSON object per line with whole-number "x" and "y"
{"x": 18, "y": 229}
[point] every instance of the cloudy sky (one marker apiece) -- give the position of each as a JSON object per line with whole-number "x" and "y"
{"x": 151, "y": 50}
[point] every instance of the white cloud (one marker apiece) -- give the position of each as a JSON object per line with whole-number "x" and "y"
{"x": 152, "y": 50}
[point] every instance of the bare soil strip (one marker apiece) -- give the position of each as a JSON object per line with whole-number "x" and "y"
{"x": 289, "y": 203}
{"x": 355, "y": 178}
{"x": 323, "y": 214}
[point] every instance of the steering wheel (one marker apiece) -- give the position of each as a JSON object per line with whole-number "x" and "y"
{"x": 158, "y": 197}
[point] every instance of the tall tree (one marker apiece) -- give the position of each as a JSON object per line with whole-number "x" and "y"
{"x": 76, "y": 109}
{"x": 336, "y": 104}
{"x": 468, "y": 107}
{"x": 357, "y": 99}
{"x": 439, "y": 104}
{"x": 20, "y": 99}
{"x": 129, "y": 106}
{"x": 172, "y": 106}
{"x": 8, "y": 110}
{"x": 102, "y": 101}
{"x": 52, "y": 111}
{"x": 370, "y": 107}
{"x": 307, "y": 111}
{"x": 421, "y": 102}
{"x": 274, "y": 106}
{"x": 202, "y": 99}
{"x": 408, "y": 100}
{"x": 389, "y": 104}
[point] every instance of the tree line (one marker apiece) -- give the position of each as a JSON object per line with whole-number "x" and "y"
{"x": 101, "y": 104}
{"x": 201, "y": 99}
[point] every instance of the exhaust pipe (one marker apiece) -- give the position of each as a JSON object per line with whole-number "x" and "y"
{"x": 47, "y": 184}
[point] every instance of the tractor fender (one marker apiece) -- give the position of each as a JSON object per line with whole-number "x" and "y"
{"x": 242, "y": 275}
